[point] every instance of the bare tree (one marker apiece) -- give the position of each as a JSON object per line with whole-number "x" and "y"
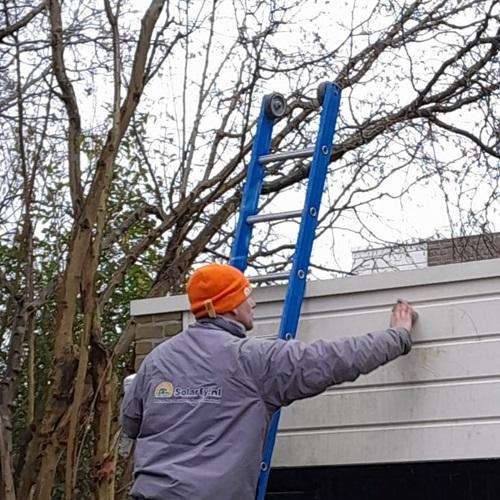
{"x": 124, "y": 153}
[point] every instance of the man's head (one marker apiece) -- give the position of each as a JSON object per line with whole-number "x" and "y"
{"x": 221, "y": 289}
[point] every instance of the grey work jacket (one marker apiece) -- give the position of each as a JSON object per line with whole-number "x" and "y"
{"x": 201, "y": 403}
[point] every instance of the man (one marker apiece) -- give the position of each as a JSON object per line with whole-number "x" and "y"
{"x": 200, "y": 404}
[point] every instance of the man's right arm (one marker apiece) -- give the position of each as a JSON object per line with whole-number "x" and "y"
{"x": 131, "y": 409}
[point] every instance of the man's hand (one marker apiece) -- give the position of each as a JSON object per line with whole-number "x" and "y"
{"x": 403, "y": 315}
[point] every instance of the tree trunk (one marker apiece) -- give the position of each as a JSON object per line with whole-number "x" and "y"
{"x": 7, "y": 491}
{"x": 106, "y": 428}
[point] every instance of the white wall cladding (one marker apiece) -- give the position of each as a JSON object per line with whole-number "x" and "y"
{"x": 440, "y": 402}
{"x": 385, "y": 259}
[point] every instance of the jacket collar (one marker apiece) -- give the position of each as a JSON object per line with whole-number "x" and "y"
{"x": 233, "y": 327}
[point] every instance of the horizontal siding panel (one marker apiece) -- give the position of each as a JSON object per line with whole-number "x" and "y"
{"x": 437, "y": 362}
{"x": 440, "y": 320}
{"x": 419, "y": 443}
{"x": 459, "y": 360}
{"x": 397, "y": 405}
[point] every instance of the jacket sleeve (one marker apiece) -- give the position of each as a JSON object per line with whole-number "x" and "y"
{"x": 292, "y": 370}
{"x": 131, "y": 410}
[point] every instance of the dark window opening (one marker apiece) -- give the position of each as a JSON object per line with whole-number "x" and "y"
{"x": 460, "y": 480}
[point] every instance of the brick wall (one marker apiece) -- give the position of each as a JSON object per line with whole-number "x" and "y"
{"x": 152, "y": 329}
{"x": 464, "y": 249}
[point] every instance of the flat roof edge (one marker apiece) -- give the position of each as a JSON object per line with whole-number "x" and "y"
{"x": 157, "y": 305}
{"x": 463, "y": 271}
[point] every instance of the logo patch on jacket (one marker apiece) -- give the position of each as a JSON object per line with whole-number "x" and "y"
{"x": 166, "y": 392}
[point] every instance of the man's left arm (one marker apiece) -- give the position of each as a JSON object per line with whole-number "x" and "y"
{"x": 291, "y": 370}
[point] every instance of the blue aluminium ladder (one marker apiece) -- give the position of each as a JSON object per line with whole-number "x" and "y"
{"x": 274, "y": 107}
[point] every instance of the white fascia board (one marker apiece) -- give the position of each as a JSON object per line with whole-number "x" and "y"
{"x": 463, "y": 271}
{"x": 158, "y": 305}
{"x": 449, "y": 273}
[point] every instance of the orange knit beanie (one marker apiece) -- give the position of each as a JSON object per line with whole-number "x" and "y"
{"x": 216, "y": 288}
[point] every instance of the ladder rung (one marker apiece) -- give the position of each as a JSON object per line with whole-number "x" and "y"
{"x": 254, "y": 219}
{"x": 269, "y": 277}
{"x": 286, "y": 155}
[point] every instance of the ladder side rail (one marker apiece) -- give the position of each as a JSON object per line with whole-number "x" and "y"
{"x": 252, "y": 189}
{"x": 305, "y": 239}
{"x": 309, "y": 221}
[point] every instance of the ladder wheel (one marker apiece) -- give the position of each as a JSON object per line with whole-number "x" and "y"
{"x": 275, "y": 105}
{"x": 321, "y": 92}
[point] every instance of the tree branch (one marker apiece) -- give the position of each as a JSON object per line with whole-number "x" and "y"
{"x": 464, "y": 133}
{"x": 9, "y": 30}
{"x": 70, "y": 102}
